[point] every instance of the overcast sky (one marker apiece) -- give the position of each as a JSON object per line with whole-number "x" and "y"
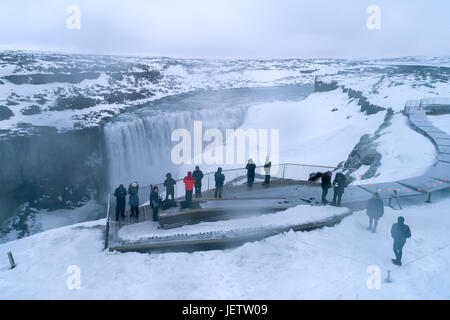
{"x": 230, "y": 28}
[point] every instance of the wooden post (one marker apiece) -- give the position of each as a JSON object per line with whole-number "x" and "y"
{"x": 429, "y": 198}
{"x": 11, "y": 260}
{"x": 388, "y": 279}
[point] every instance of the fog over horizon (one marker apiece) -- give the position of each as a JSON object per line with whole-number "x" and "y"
{"x": 242, "y": 29}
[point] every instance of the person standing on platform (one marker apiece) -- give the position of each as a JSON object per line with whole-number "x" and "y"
{"x": 170, "y": 183}
{"x": 198, "y": 176}
{"x": 251, "y": 167}
{"x": 339, "y": 183}
{"x": 326, "y": 184}
{"x": 267, "y": 168}
{"x": 155, "y": 203}
{"x": 189, "y": 182}
{"x": 219, "y": 178}
{"x": 133, "y": 200}
{"x": 121, "y": 195}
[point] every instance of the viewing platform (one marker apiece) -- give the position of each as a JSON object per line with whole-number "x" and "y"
{"x": 289, "y": 188}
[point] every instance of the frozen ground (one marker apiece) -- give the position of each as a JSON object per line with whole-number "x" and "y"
{"x": 72, "y": 91}
{"x": 405, "y": 152}
{"x": 324, "y": 264}
{"x": 293, "y": 216}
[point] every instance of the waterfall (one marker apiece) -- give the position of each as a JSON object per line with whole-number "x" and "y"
{"x": 139, "y": 149}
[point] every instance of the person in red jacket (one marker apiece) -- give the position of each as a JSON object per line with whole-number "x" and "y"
{"x": 189, "y": 182}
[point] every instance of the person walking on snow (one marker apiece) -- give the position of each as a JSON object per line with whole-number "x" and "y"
{"x": 133, "y": 200}
{"x": 155, "y": 203}
{"x": 170, "y": 183}
{"x": 375, "y": 210}
{"x": 267, "y": 167}
{"x": 326, "y": 184}
{"x": 198, "y": 176}
{"x": 400, "y": 232}
{"x": 219, "y": 178}
{"x": 189, "y": 182}
{"x": 339, "y": 183}
{"x": 251, "y": 167}
{"x": 121, "y": 194}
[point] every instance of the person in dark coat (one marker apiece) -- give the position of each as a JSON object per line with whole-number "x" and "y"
{"x": 133, "y": 200}
{"x": 121, "y": 194}
{"x": 219, "y": 178}
{"x": 198, "y": 176}
{"x": 170, "y": 183}
{"x": 375, "y": 210}
{"x": 400, "y": 232}
{"x": 155, "y": 203}
{"x": 339, "y": 183}
{"x": 267, "y": 167}
{"x": 326, "y": 184}
{"x": 251, "y": 167}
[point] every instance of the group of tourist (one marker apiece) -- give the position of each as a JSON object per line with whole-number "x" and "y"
{"x": 399, "y": 231}
{"x": 121, "y": 193}
{"x": 375, "y": 210}
{"x": 193, "y": 181}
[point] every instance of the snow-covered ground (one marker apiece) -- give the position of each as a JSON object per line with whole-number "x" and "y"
{"x": 389, "y": 83}
{"x": 405, "y": 152}
{"x": 330, "y": 263}
{"x": 114, "y": 84}
{"x": 291, "y": 217}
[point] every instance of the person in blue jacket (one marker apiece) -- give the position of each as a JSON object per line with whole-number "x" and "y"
{"x": 133, "y": 199}
{"x": 219, "y": 178}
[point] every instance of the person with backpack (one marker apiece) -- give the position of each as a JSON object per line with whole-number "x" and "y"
{"x": 375, "y": 210}
{"x": 198, "y": 176}
{"x": 189, "y": 182}
{"x": 251, "y": 167}
{"x": 400, "y": 232}
{"x": 170, "y": 183}
{"x": 326, "y": 184}
{"x": 267, "y": 167}
{"x": 155, "y": 202}
{"x": 219, "y": 178}
{"x": 339, "y": 183}
{"x": 133, "y": 200}
{"x": 121, "y": 194}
